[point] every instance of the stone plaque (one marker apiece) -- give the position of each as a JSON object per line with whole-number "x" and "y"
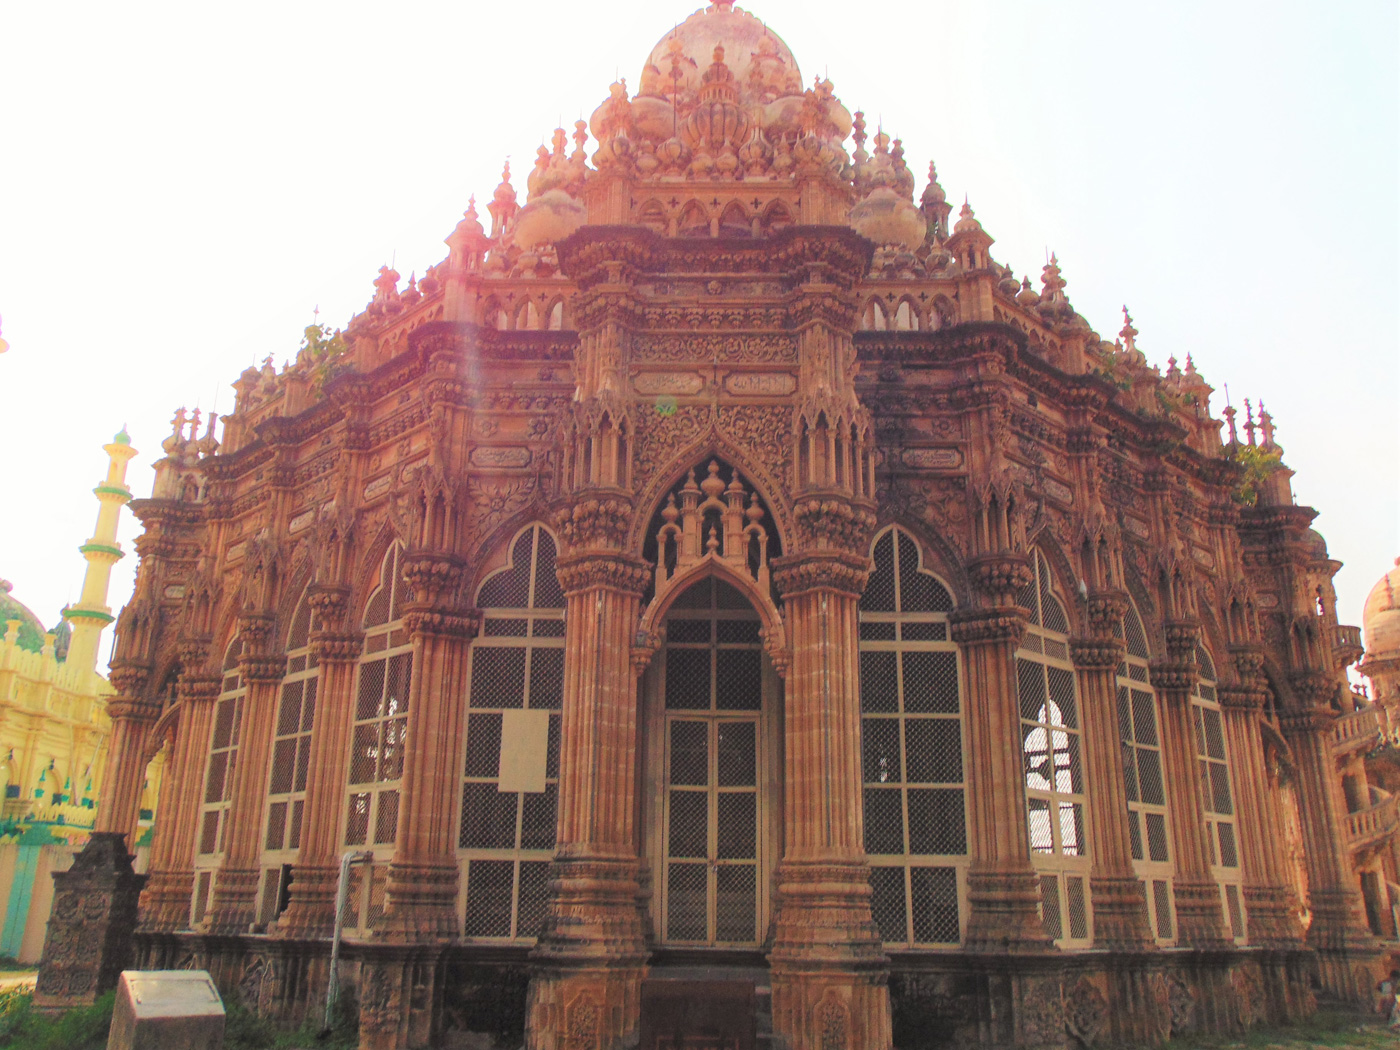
{"x": 668, "y": 383}
{"x": 236, "y": 551}
{"x": 1057, "y": 490}
{"x": 1136, "y": 527}
{"x": 1268, "y": 600}
{"x": 301, "y": 522}
{"x": 175, "y": 590}
{"x": 1203, "y": 557}
{"x": 751, "y": 384}
{"x": 378, "y": 487}
{"x": 933, "y": 458}
{"x": 500, "y": 456}
{"x": 156, "y": 1009}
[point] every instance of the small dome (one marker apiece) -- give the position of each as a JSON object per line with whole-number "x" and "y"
{"x": 31, "y": 628}
{"x": 548, "y": 219}
{"x": 887, "y": 218}
{"x": 1381, "y": 619}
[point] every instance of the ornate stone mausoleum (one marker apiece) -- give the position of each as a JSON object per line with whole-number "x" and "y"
{"x": 720, "y": 604}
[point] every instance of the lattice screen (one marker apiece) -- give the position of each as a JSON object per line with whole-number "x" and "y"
{"x": 1217, "y": 797}
{"x": 223, "y": 755}
{"x": 712, "y": 810}
{"x": 1148, "y": 817}
{"x": 380, "y": 730}
{"x": 506, "y": 838}
{"x": 911, "y": 748}
{"x": 291, "y": 755}
{"x": 1052, "y": 750}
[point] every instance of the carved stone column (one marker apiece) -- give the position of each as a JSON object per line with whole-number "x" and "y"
{"x": 1338, "y": 929}
{"x": 165, "y": 904}
{"x": 311, "y": 906}
{"x": 1002, "y": 887}
{"x": 89, "y": 937}
{"x": 592, "y": 955}
{"x": 119, "y": 804}
{"x": 1200, "y": 920}
{"x": 1269, "y": 902}
{"x": 1120, "y": 910}
{"x": 233, "y": 905}
{"x": 829, "y": 969}
{"x": 421, "y": 889}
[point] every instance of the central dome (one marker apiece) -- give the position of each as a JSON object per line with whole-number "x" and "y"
{"x": 763, "y": 67}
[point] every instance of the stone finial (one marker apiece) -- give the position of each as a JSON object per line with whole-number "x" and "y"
{"x": 1229, "y": 414}
{"x": 1266, "y": 424}
{"x": 1128, "y": 333}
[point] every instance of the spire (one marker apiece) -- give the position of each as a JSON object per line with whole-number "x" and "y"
{"x": 1127, "y": 333}
{"x": 90, "y": 614}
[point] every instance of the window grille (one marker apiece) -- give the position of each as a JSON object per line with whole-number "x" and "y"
{"x": 291, "y": 756}
{"x": 1052, "y": 751}
{"x": 1217, "y": 796}
{"x": 1139, "y": 729}
{"x": 911, "y": 749}
{"x": 218, "y": 776}
{"x": 380, "y": 728}
{"x": 506, "y": 837}
{"x": 711, "y": 846}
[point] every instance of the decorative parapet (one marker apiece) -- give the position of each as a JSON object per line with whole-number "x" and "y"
{"x": 1358, "y": 731}
{"x": 1346, "y": 645}
{"x": 1371, "y": 827}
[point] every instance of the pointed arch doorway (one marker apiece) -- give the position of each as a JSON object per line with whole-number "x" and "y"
{"x": 712, "y": 792}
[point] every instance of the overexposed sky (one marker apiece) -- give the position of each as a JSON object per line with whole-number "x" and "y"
{"x": 182, "y": 184}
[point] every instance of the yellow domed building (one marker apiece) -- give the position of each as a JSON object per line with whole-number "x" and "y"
{"x": 54, "y": 731}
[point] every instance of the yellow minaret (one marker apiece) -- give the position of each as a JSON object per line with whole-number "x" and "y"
{"x": 91, "y": 614}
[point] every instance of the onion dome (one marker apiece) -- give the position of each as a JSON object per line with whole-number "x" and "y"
{"x": 758, "y": 60}
{"x": 31, "y": 629}
{"x": 548, "y": 219}
{"x": 887, "y": 218}
{"x": 1380, "y": 621}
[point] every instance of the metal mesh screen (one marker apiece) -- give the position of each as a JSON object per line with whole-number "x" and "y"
{"x": 879, "y": 595}
{"x": 887, "y": 904}
{"x": 547, "y": 678}
{"x": 1235, "y": 910}
{"x": 1162, "y": 908}
{"x": 935, "y": 904}
{"x": 735, "y": 902}
{"x": 934, "y": 747}
{"x": 879, "y": 681}
{"x": 686, "y": 900}
{"x": 1135, "y": 833}
{"x": 936, "y": 821}
{"x": 1050, "y": 906}
{"x": 386, "y": 820}
{"x": 1156, "y": 836}
{"x": 357, "y": 820}
{"x": 498, "y": 676}
{"x": 687, "y": 679}
{"x": 1229, "y": 856}
{"x": 488, "y": 817}
{"x": 930, "y": 682}
{"x": 548, "y": 593}
{"x": 1075, "y": 905}
{"x": 688, "y": 826}
{"x": 538, "y": 811}
{"x": 490, "y": 885}
{"x": 510, "y": 588}
{"x": 533, "y": 898}
{"x": 202, "y": 885}
{"x": 738, "y": 679}
{"x": 918, "y": 591}
{"x": 737, "y": 754}
{"x": 884, "y": 821}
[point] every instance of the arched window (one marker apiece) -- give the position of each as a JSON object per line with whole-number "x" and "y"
{"x": 291, "y": 755}
{"x": 1053, "y": 756}
{"x": 906, "y": 319}
{"x": 911, "y": 749}
{"x": 556, "y": 316}
{"x": 1139, "y": 731}
{"x": 218, "y": 778}
{"x": 1216, "y": 795}
{"x": 510, "y": 792}
{"x": 874, "y": 319}
{"x": 381, "y": 713}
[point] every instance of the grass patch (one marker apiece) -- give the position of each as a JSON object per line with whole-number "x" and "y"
{"x": 24, "y": 1028}
{"x": 8, "y": 965}
{"x": 1326, "y": 1028}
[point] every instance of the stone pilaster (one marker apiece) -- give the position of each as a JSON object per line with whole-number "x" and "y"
{"x": 119, "y": 804}
{"x": 421, "y": 889}
{"x": 829, "y": 970}
{"x": 1269, "y": 901}
{"x": 1338, "y": 931}
{"x": 311, "y": 906}
{"x": 1002, "y": 887}
{"x": 1200, "y": 920}
{"x": 165, "y": 903}
{"x": 592, "y": 956}
{"x": 233, "y": 905}
{"x": 1120, "y": 910}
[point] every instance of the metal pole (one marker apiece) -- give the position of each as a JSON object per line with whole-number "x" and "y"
{"x": 342, "y": 889}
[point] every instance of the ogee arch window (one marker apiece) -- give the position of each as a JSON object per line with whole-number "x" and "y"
{"x": 1139, "y": 729}
{"x": 510, "y": 792}
{"x": 911, "y": 749}
{"x": 381, "y": 713}
{"x": 291, "y": 755}
{"x": 218, "y": 778}
{"x": 1217, "y": 796}
{"x": 1052, "y": 750}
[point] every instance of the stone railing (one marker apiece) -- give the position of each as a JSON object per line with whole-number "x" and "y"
{"x": 1357, "y": 731}
{"x": 1370, "y": 826}
{"x": 1346, "y": 644}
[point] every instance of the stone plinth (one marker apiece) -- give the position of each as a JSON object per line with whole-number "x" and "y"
{"x": 91, "y": 926}
{"x": 167, "y": 1010}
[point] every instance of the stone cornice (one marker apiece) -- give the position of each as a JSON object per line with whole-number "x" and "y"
{"x": 329, "y": 647}
{"x": 844, "y": 572}
{"x": 1096, "y": 654}
{"x": 600, "y": 569}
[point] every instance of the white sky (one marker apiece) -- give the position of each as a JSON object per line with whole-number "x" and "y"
{"x": 180, "y": 184}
